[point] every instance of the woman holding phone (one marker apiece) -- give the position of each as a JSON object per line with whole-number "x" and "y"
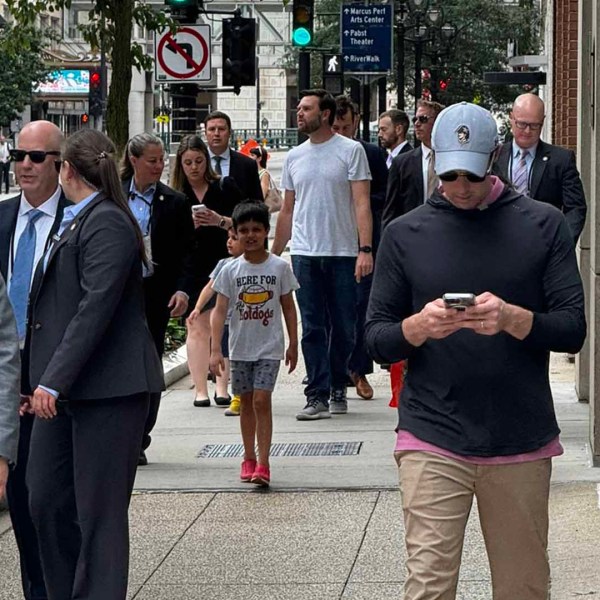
{"x": 212, "y": 199}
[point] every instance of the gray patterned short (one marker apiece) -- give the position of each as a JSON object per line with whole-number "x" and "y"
{"x": 248, "y": 375}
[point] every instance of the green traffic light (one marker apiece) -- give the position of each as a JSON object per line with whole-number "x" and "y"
{"x": 301, "y": 37}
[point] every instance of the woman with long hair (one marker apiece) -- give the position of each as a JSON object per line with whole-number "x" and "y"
{"x": 92, "y": 366}
{"x": 213, "y": 200}
{"x": 164, "y": 219}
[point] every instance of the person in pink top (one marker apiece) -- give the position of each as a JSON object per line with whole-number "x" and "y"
{"x": 476, "y": 416}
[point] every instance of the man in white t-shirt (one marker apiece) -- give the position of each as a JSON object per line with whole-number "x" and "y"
{"x": 326, "y": 213}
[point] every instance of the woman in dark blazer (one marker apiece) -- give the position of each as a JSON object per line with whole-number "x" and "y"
{"x": 164, "y": 218}
{"x": 212, "y": 199}
{"x": 92, "y": 368}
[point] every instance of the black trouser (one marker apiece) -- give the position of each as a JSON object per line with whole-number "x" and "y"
{"x": 157, "y": 316}
{"x": 361, "y": 362}
{"x": 18, "y": 505}
{"x": 81, "y": 473}
{"x": 6, "y": 175}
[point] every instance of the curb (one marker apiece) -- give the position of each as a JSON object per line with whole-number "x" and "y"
{"x": 175, "y": 365}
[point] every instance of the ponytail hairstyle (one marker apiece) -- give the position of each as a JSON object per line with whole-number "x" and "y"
{"x": 135, "y": 147}
{"x": 91, "y": 153}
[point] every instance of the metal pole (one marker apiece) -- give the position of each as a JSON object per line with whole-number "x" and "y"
{"x": 257, "y": 102}
{"x": 418, "y": 57}
{"x": 366, "y": 109}
{"x": 381, "y": 95}
{"x": 400, "y": 66}
{"x": 304, "y": 71}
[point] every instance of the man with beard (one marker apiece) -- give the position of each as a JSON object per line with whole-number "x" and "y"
{"x": 412, "y": 177}
{"x": 326, "y": 213}
{"x": 393, "y": 127}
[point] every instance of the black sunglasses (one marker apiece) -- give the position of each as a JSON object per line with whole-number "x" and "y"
{"x": 454, "y": 175}
{"x": 36, "y": 156}
{"x": 421, "y": 118}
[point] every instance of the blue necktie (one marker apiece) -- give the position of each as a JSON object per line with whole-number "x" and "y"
{"x": 20, "y": 281}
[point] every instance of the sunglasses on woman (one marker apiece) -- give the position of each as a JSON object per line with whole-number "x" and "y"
{"x": 36, "y": 156}
{"x": 454, "y": 175}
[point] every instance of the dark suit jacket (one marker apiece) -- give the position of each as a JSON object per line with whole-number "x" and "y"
{"x": 171, "y": 235}
{"x": 379, "y": 173}
{"x": 9, "y": 211}
{"x": 245, "y": 173}
{"x": 553, "y": 179}
{"x": 87, "y": 335}
{"x": 405, "y": 185}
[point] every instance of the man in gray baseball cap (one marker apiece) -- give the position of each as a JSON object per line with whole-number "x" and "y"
{"x": 474, "y": 289}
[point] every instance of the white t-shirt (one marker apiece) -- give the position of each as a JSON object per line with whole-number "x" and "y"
{"x": 324, "y": 222}
{"x": 254, "y": 291}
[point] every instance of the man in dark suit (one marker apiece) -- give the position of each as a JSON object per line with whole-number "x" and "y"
{"x": 346, "y": 123}
{"x": 41, "y": 192}
{"x": 412, "y": 178}
{"x": 165, "y": 219}
{"x": 228, "y": 162}
{"x": 542, "y": 171}
{"x": 392, "y": 130}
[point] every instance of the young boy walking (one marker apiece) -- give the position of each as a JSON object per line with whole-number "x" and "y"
{"x": 257, "y": 284}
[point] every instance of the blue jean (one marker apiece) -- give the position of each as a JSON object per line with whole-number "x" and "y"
{"x": 327, "y": 301}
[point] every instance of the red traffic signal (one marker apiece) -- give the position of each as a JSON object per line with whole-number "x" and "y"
{"x": 85, "y": 118}
{"x": 443, "y": 84}
{"x": 95, "y": 79}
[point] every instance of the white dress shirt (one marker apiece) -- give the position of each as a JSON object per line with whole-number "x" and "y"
{"x": 42, "y": 228}
{"x": 394, "y": 152}
{"x": 424, "y": 167}
{"x": 225, "y": 162}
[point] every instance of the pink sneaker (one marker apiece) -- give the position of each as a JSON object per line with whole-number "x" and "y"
{"x": 262, "y": 475}
{"x": 248, "y": 468}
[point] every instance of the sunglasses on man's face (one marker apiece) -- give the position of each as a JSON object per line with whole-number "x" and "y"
{"x": 36, "y": 156}
{"x": 454, "y": 175}
{"x": 421, "y": 119}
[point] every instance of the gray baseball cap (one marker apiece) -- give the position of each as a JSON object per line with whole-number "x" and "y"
{"x": 464, "y": 136}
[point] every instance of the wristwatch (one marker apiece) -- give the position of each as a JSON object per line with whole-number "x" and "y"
{"x": 366, "y": 249}
{"x": 222, "y": 223}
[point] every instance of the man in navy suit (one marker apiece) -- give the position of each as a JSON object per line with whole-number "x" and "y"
{"x": 412, "y": 177}
{"x": 228, "y": 162}
{"x": 392, "y": 131}
{"x": 36, "y": 158}
{"x": 542, "y": 171}
{"x": 346, "y": 122}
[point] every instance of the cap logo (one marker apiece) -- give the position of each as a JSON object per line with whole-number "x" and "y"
{"x": 463, "y": 134}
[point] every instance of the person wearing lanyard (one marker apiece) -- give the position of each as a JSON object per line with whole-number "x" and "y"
{"x": 165, "y": 219}
{"x": 92, "y": 366}
{"x": 542, "y": 171}
{"x": 27, "y": 223}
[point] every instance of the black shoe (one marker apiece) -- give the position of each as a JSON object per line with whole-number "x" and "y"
{"x": 222, "y": 400}
{"x": 142, "y": 460}
{"x": 201, "y": 401}
{"x": 305, "y": 380}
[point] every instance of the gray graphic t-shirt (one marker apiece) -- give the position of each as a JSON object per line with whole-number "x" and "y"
{"x": 254, "y": 292}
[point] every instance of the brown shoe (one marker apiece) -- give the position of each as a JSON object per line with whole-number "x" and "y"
{"x": 363, "y": 387}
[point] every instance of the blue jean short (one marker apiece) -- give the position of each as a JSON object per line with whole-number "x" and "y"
{"x": 250, "y": 375}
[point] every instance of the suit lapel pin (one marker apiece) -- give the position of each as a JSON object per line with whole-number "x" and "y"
{"x": 161, "y": 197}
{"x": 74, "y": 226}
{"x": 545, "y": 159}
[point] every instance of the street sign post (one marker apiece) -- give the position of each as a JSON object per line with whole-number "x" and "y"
{"x": 183, "y": 56}
{"x": 366, "y": 38}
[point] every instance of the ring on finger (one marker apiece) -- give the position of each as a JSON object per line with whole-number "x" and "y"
{"x": 482, "y": 324}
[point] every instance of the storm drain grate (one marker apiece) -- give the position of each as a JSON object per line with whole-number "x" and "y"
{"x": 312, "y": 449}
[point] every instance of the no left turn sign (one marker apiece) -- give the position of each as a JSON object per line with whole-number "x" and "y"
{"x": 184, "y": 55}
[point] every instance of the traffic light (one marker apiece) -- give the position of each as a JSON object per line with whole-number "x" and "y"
{"x": 185, "y": 10}
{"x": 239, "y": 52}
{"x": 95, "y": 94}
{"x": 443, "y": 85}
{"x": 85, "y": 119}
{"x": 303, "y": 16}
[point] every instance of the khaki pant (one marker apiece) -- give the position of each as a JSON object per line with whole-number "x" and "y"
{"x": 437, "y": 495}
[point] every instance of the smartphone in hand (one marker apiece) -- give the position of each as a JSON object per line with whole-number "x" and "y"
{"x": 459, "y": 301}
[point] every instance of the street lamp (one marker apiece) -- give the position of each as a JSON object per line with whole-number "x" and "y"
{"x": 425, "y": 17}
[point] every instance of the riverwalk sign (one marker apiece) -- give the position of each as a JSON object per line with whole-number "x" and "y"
{"x": 366, "y": 38}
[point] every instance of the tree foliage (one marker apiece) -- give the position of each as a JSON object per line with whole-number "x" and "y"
{"x": 110, "y": 27}
{"x": 21, "y": 51}
{"x": 482, "y": 30}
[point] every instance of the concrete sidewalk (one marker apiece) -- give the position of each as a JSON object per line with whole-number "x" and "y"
{"x": 331, "y": 526}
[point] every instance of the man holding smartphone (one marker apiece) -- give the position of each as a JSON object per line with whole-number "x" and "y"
{"x": 476, "y": 415}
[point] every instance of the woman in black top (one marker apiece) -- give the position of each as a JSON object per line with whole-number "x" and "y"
{"x": 213, "y": 200}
